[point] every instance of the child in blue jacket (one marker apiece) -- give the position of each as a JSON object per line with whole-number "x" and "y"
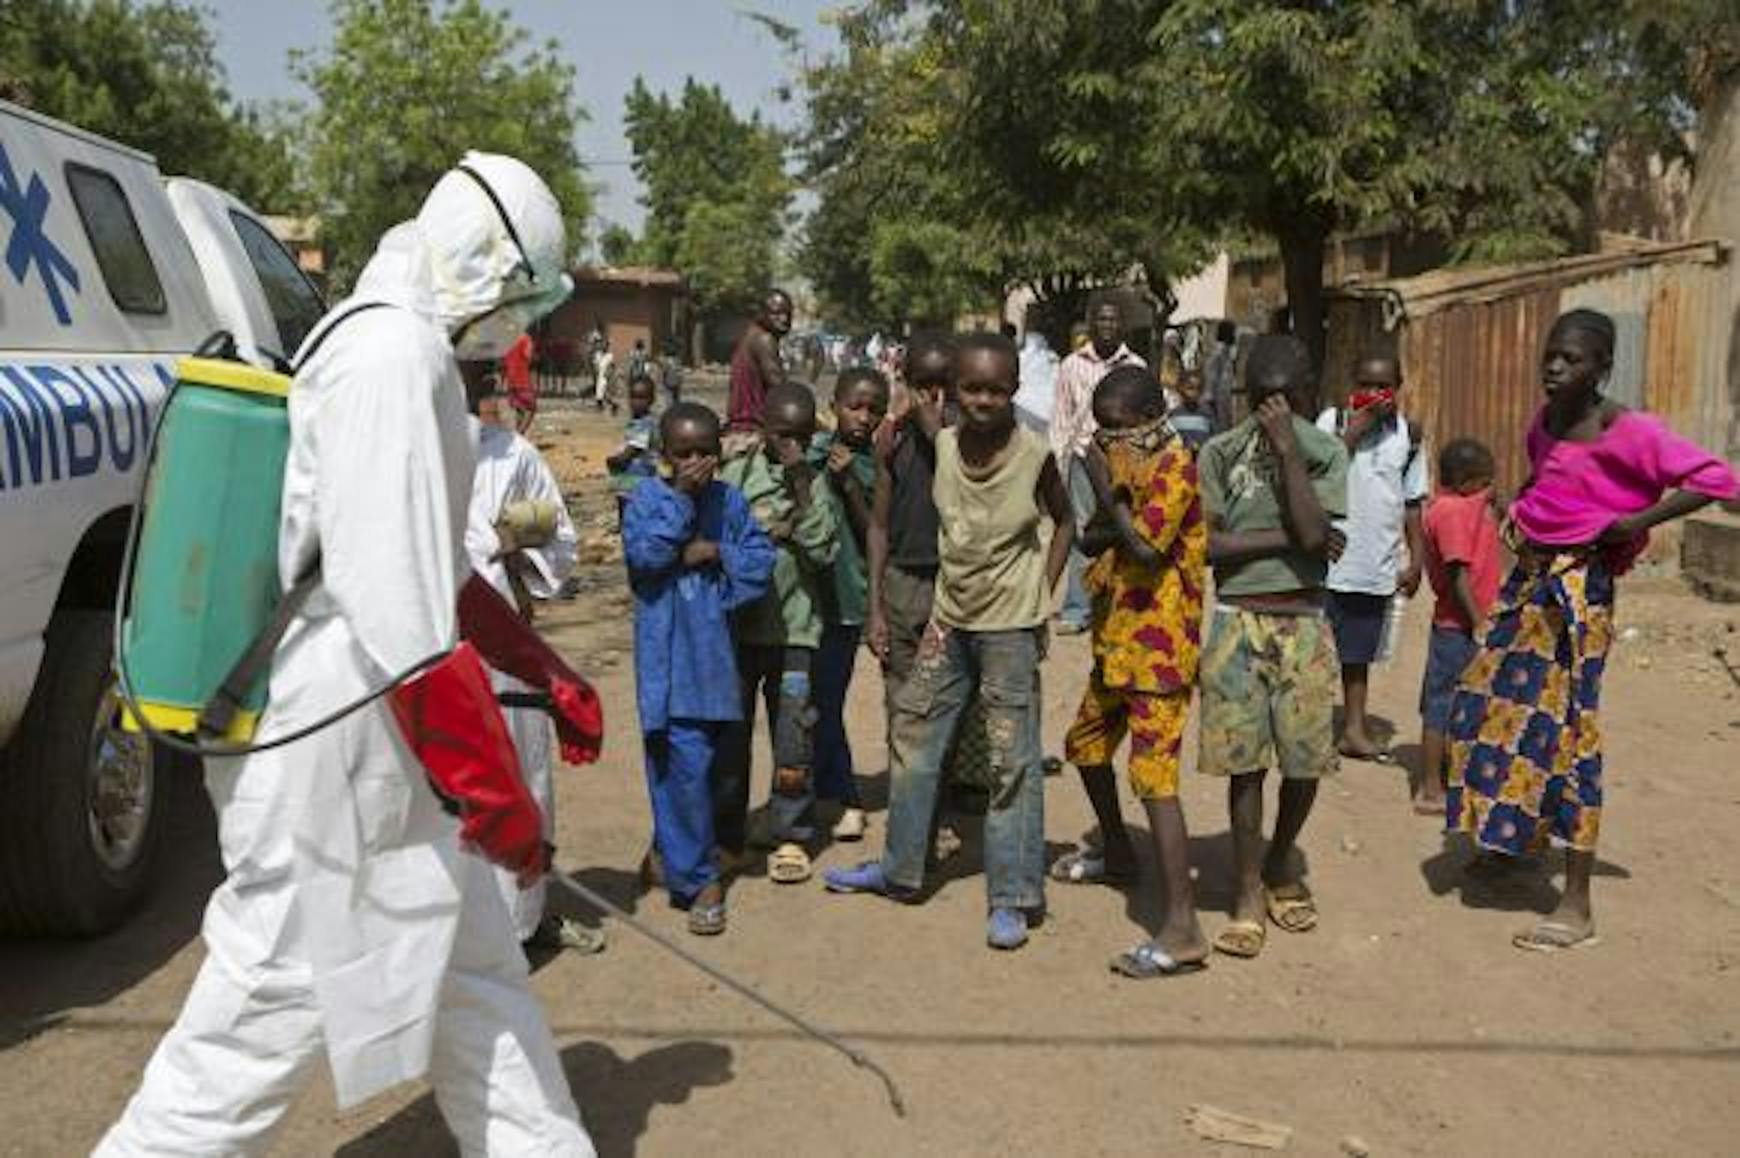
{"x": 695, "y": 553}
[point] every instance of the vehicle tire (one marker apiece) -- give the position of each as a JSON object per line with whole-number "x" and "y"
{"x": 84, "y": 803}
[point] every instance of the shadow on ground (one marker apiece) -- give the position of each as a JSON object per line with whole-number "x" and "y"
{"x": 40, "y": 980}
{"x": 617, "y": 1097}
{"x": 1523, "y": 885}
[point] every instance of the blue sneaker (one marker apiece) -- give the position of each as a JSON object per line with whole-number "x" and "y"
{"x": 863, "y": 878}
{"x": 1007, "y": 929}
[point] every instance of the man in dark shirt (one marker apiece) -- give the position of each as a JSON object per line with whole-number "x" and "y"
{"x": 755, "y": 364}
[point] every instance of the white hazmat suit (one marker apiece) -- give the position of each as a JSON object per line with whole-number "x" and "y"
{"x": 351, "y": 926}
{"x": 510, "y": 470}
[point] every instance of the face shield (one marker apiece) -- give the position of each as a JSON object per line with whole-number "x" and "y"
{"x": 488, "y": 336}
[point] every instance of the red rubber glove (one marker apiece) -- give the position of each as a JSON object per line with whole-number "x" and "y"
{"x": 508, "y": 644}
{"x": 450, "y": 718}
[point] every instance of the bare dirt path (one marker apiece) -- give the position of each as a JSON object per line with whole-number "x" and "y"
{"x": 1406, "y": 1020}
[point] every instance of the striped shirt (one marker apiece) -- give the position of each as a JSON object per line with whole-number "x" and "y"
{"x": 1072, "y": 420}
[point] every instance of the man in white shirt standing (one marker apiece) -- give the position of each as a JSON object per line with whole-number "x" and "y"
{"x": 1386, "y": 486}
{"x": 1072, "y": 429}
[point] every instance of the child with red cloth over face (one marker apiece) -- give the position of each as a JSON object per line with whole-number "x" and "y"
{"x": 1465, "y": 562}
{"x": 1150, "y": 548}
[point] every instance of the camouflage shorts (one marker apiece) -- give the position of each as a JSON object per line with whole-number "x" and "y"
{"x": 1269, "y": 684}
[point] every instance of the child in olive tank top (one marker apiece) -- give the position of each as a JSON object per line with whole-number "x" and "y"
{"x": 996, "y": 487}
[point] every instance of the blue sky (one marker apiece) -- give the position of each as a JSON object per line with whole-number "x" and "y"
{"x": 609, "y": 42}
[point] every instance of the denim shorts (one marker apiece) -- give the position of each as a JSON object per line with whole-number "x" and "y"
{"x": 1358, "y": 620}
{"x": 1447, "y": 655}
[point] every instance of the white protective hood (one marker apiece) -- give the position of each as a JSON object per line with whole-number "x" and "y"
{"x": 494, "y": 235}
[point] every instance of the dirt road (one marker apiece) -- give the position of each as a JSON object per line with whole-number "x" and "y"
{"x": 1406, "y": 1020}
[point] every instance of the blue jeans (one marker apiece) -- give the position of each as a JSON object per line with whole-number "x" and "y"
{"x": 1077, "y": 606}
{"x": 829, "y": 682}
{"x": 1002, "y": 667}
{"x": 678, "y": 761}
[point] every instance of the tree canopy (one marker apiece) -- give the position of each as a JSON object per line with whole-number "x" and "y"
{"x": 406, "y": 87}
{"x": 146, "y": 74}
{"x": 1061, "y": 142}
{"x": 715, "y": 190}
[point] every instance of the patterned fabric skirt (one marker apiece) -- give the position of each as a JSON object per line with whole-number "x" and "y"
{"x": 1525, "y": 738}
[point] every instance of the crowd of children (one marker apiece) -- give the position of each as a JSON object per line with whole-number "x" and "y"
{"x": 1252, "y": 571}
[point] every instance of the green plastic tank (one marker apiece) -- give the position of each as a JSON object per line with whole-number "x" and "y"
{"x": 205, "y": 577}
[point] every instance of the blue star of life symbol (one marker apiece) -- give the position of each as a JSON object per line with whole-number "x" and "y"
{"x": 28, "y": 206}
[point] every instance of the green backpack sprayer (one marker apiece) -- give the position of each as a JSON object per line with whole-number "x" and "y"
{"x": 200, "y": 610}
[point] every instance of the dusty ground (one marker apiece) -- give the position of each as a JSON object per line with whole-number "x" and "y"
{"x": 1406, "y": 1021}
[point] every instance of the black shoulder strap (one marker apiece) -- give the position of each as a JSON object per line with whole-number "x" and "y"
{"x": 220, "y": 711}
{"x": 308, "y": 351}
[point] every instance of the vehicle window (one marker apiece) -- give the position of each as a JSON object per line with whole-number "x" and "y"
{"x": 114, "y": 235}
{"x": 295, "y": 305}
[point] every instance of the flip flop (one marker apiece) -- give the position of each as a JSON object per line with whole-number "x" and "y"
{"x": 1085, "y": 866}
{"x": 1555, "y": 937}
{"x": 1148, "y": 961}
{"x": 1240, "y": 939}
{"x": 1381, "y": 756}
{"x": 1291, "y": 907}
{"x": 571, "y": 934}
{"x": 707, "y": 920}
{"x": 789, "y": 865}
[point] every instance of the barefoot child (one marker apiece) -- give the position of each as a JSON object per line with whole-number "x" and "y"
{"x": 844, "y": 454}
{"x": 1149, "y": 547}
{"x": 778, "y": 634}
{"x": 1525, "y": 741}
{"x": 1386, "y": 486}
{"x": 695, "y": 554}
{"x": 1465, "y": 562}
{"x": 996, "y": 484}
{"x": 1270, "y": 485}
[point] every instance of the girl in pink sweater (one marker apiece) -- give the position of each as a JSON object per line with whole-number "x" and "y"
{"x": 1525, "y": 741}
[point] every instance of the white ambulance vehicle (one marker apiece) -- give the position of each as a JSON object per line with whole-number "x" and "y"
{"x": 108, "y": 274}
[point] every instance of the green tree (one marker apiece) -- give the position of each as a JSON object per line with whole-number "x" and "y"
{"x": 940, "y": 129}
{"x": 715, "y": 189}
{"x": 405, "y": 89}
{"x": 886, "y": 241}
{"x": 1081, "y": 139}
{"x": 1483, "y": 122}
{"x": 146, "y": 75}
{"x": 617, "y": 245}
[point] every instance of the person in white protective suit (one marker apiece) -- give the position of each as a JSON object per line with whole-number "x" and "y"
{"x": 520, "y": 538}
{"x": 352, "y": 925}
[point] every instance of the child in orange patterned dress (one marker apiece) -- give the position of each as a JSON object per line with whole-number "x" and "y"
{"x": 1150, "y": 548}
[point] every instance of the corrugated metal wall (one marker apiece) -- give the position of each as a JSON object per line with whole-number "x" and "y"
{"x": 1471, "y": 368}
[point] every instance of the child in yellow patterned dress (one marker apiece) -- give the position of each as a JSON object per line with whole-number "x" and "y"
{"x": 1150, "y": 548}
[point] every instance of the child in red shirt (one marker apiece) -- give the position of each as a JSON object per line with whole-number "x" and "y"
{"x": 1464, "y": 562}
